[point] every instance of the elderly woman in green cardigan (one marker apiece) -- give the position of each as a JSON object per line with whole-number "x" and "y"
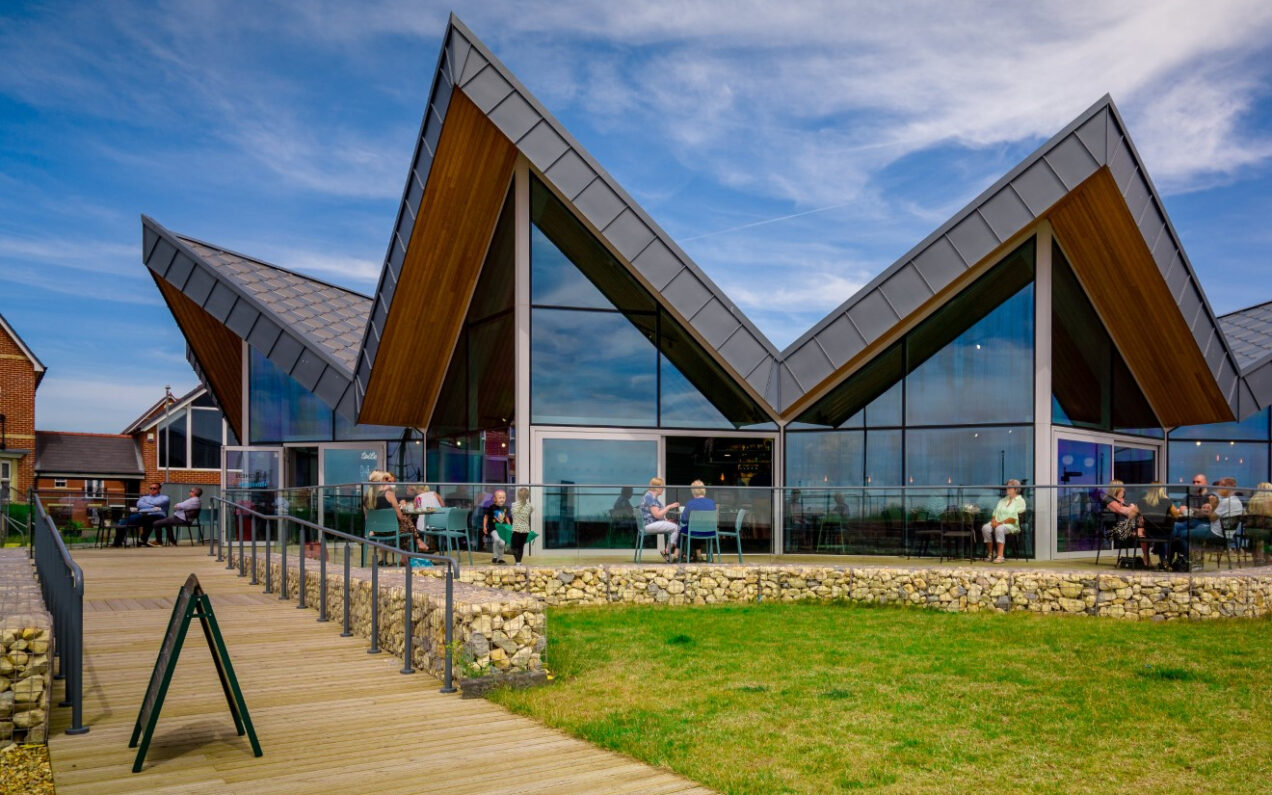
{"x": 1006, "y": 519}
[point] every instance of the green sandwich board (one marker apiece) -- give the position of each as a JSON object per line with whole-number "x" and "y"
{"x": 192, "y": 602}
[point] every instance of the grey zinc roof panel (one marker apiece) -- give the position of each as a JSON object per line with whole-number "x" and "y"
{"x": 742, "y": 351}
{"x": 571, "y": 174}
{"x": 905, "y": 291}
{"x": 1039, "y": 187}
{"x": 257, "y": 300}
{"x": 940, "y": 263}
{"x": 514, "y": 117}
{"x": 1071, "y": 161}
{"x": 809, "y": 364}
{"x": 1093, "y": 133}
{"x": 179, "y": 271}
{"x": 841, "y": 340}
{"x": 658, "y": 264}
{"x": 161, "y": 256}
{"x": 761, "y": 376}
{"x": 972, "y": 238}
{"x": 872, "y": 316}
{"x": 687, "y": 294}
{"x": 487, "y": 89}
{"x": 542, "y": 146}
{"x": 599, "y": 204}
{"x": 1006, "y": 213}
{"x": 628, "y": 234}
{"x": 715, "y": 322}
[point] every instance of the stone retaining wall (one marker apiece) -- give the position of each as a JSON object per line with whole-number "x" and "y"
{"x": 496, "y": 635}
{"x": 26, "y": 638}
{"x": 1128, "y": 595}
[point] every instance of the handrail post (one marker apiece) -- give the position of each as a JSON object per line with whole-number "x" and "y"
{"x": 448, "y": 684}
{"x": 282, "y": 542}
{"x": 269, "y": 546}
{"x": 301, "y": 590}
{"x": 254, "y": 579}
{"x": 242, "y": 561}
{"x": 346, "y": 633}
{"x": 407, "y": 629}
{"x": 375, "y": 605}
{"x": 322, "y": 576}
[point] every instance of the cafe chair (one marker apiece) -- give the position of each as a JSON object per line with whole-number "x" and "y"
{"x": 958, "y": 528}
{"x": 450, "y": 525}
{"x": 641, "y": 533}
{"x": 382, "y": 526}
{"x": 703, "y": 526}
{"x": 1019, "y": 543}
{"x": 735, "y": 533}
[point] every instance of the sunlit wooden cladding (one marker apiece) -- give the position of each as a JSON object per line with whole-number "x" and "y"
{"x": 1111, "y": 260}
{"x": 219, "y": 351}
{"x": 466, "y": 188}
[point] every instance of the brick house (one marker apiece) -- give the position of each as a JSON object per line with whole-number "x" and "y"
{"x": 20, "y": 375}
{"x": 181, "y": 443}
{"x": 81, "y": 474}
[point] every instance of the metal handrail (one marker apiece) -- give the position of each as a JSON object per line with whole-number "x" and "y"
{"x": 452, "y": 571}
{"x": 62, "y": 584}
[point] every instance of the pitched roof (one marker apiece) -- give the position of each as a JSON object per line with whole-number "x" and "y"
{"x": 468, "y": 66}
{"x": 1249, "y": 333}
{"x": 1095, "y": 140}
{"x": 26, "y": 349}
{"x": 308, "y": 328}
{"x": 87, "y": 454}
{"x": 151, "y": 416}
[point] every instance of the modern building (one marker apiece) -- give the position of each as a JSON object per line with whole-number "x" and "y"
{"x": 534, "y": 324}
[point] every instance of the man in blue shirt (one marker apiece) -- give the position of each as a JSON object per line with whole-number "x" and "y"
{"x": 150, "y": 508}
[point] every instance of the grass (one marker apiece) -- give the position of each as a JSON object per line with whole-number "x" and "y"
{"x": 830, "y": 697}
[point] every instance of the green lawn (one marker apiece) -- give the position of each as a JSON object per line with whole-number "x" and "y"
{"x": 829, "y": 697}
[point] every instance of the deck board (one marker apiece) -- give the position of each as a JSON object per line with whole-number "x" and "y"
{"x": 330, "y": 717}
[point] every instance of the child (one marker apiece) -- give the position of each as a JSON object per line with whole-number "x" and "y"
{"x": 521, "y": 511}
{"x": 496, "y": 513}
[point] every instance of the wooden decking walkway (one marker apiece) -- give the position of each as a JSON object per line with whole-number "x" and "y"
{"x": 330, "y": 717}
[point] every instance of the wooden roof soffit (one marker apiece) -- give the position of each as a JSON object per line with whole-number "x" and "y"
{"x": 1109, "y": 256}
{"x": 219, "y": 351}
{"x": 466, "y": 188}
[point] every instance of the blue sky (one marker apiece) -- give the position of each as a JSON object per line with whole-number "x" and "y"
{"x": 793, "y": 149}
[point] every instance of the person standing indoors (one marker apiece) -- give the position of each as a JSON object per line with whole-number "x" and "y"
{"x": 1006, "y": 519}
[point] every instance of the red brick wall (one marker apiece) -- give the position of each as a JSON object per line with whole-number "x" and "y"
{"x": 157, "y": 474}
{"x": 17, "y": 403}
{"x": 69, "y": 501}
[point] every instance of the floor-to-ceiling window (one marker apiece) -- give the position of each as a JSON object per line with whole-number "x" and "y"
{"x": 948, "y": 408}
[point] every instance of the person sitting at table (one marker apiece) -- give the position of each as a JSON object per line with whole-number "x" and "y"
{"x": 1006, "y": 519}
{"x": 383, "y": 496}
{"x": 654, "y": 516}
{"x": 1258, "y": 525}
{"x": 624, "y": 500}
{"x": 1195, "y": 516}
{"x": 1157, "y": 519}
{"x": 1114, "y": 501}
{"x": 1226, "y": 506}
{"x": 184, "y": 514}
{"x": 699, "y": 501}
{"x": 150, "y": 508}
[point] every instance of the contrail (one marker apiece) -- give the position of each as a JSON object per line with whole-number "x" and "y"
{"x": 766, "y": 221}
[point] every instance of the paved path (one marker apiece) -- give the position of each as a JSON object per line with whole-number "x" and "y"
{"x": 330, "y": 717}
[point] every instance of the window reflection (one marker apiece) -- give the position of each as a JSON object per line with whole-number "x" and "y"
{"x": 968, "y": 456}
{"x": 281, "y": 410}
{"x": 1245, "y": 461}
{"x": 591, "y": 368}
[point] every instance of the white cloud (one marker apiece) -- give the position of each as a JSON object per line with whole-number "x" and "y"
{"x": 86, "y": 402}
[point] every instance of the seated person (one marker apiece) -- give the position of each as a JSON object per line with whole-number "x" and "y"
{"x": 624, "y": 500}
{"x": 654, "y": 516}
{"x": 150, "y": 508}
{"x": 1006, "y": 519}
{"x": 698, "y": 502}
{"x": 184, "y": 514}
{"x": 1115, "y": 502}
{"x": 1194, "y": 515}
{"x": 1258, "y": 524}
{"x": 1227, "y": 506}
{"x": 1157, "y": 520}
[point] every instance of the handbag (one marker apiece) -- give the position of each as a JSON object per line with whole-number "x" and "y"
{"x": 1124, "y": 529}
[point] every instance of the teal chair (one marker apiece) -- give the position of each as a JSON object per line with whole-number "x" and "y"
{"x": 382, "y": 526}
{"x": 703, "y": 526}
{"x": 735, "y": 533}
{"x": 642, "y": 533}
{"x": 450, "y": 525}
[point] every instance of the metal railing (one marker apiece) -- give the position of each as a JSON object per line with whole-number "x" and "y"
{"x": 233, "y": 511}
{"x": 62, "y": 583}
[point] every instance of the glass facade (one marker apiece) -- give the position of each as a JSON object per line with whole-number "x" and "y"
{"x": 950, "y": 404}
{"x": 602, "y": 352}
{"x": 1224, "y": 449}
{"x": 191, "y": 437}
